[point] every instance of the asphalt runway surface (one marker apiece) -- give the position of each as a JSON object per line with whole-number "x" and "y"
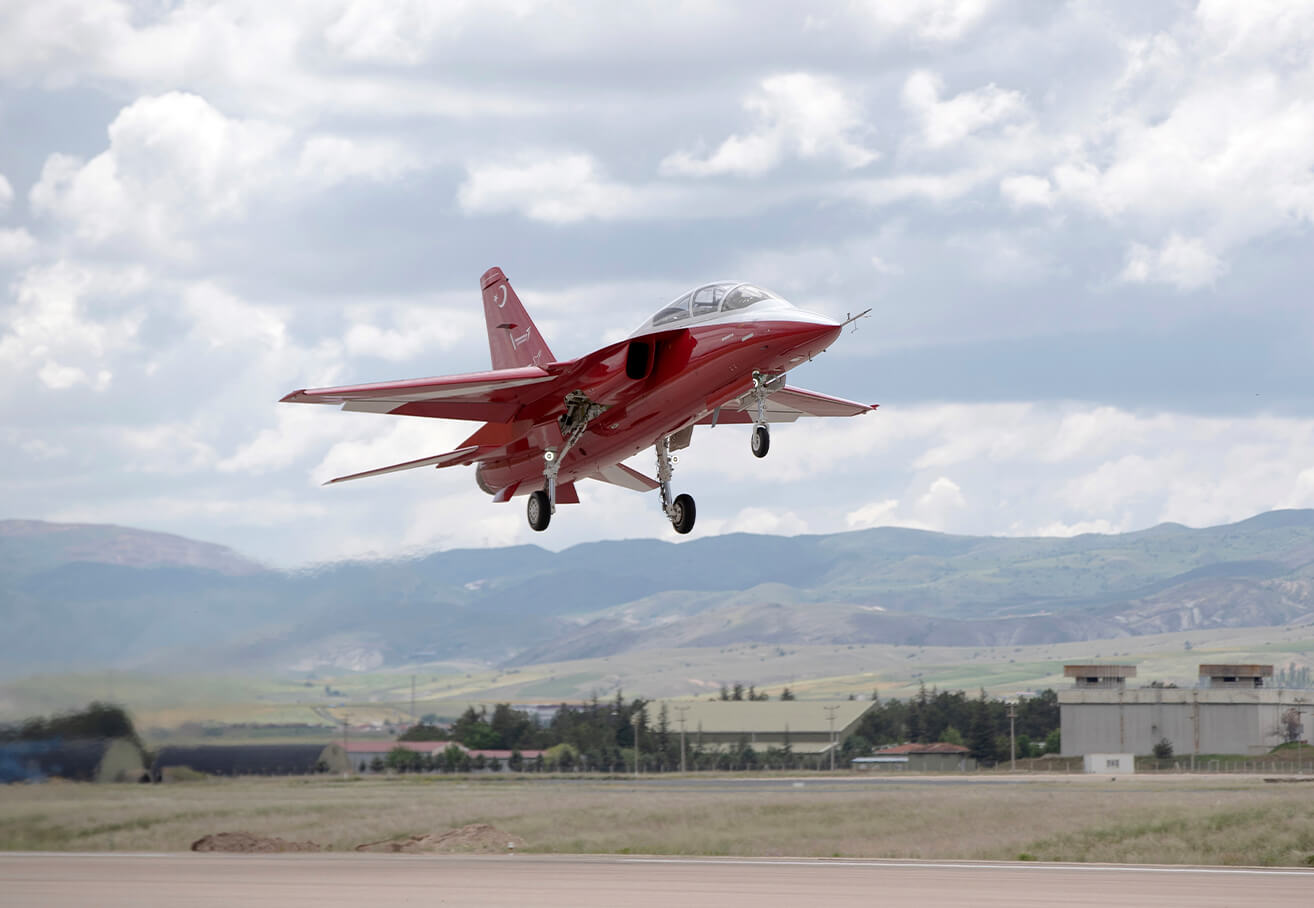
{"x": 554, "y": 881}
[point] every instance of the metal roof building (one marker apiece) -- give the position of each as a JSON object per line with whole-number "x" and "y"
{"x": 938, "y": 757}
{"x": 804, "y": 725}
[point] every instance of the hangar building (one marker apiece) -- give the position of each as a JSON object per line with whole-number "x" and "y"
{"x": 804, "y": 725}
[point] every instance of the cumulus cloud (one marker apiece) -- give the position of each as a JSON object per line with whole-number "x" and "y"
{"x": 16, "y": 244}
{"x": 1180, "y": 262}
{"x": 52, "y": 332}
{"x": 945, "y": 122}
{"x": 6, "y": 194}
{"x": 176, "y": 164}
{"x": 173, "y": 162}
{"x": 797, "y": 115}
{"x": 1025, "y": 191}
{"x": 931, "y": 20}
{"x": 557, "y": 188}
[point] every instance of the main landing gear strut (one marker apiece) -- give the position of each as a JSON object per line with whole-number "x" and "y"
{"x": 681, "y": 511}
{"x": 580, "y": 411}
{"x": 762, "y": 386}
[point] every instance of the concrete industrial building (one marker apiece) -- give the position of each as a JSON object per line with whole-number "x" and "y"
{"x": 1231, "y": 712}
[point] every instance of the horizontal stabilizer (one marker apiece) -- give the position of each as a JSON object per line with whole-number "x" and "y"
{"x": 460, "y": 455}
{"x": 620, "y": 475}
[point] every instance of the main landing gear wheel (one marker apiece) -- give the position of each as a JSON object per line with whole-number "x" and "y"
{"x": 761, "y": 441}
{"x": 539, "y": 510}
{"x": 683, "y": 513}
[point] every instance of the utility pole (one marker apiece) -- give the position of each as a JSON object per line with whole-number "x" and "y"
{"x": 1012, "y": 737}
{"x": 346, "y": 723}
{"x": 830, "y": 716}
{"x": 682, "y": 710}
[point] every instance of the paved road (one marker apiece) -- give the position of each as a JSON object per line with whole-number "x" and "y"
{"x": 327, "y": 880}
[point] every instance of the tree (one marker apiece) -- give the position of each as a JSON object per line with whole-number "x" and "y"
{"x": 1053, "y": 742}
{"x": 786, "y": 694}
{"x": 952, "y": 735}
{"x": 737, "y": 692}
{"x": 982, "y": 732}
{"x": 1290, "y": 727}
{"x": 424, "y": 732}
{"x": 1163, "y": 749}
{"x": 376, "y": 765}
{"x": 403, "y": 759}
{"x": 516, "y": 762}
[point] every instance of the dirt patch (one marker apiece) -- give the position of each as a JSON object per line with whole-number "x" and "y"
{"x": 246, "y": 843}
{"x": 477, "y": 838}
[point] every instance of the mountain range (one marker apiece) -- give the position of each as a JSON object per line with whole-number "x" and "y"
{"x": 81, "y": 597}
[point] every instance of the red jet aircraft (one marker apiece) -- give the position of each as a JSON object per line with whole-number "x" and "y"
{"x": 716, "y": 355}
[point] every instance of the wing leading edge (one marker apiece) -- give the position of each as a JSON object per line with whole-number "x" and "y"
{"x": 481, "y": 396}
{"x": 785, "y": 405}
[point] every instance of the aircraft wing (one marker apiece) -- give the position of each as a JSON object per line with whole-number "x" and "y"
{"x": 484, "y": 396}
{"x": 451, "y": 458}
{"x": 785, "y": 405}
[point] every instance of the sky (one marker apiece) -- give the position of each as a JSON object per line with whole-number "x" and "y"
{"x": 1084, "y": 230}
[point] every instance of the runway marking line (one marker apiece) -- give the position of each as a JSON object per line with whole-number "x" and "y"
{"x": 1003, "y": 865}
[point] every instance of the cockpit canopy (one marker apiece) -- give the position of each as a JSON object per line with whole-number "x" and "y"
{"x": 711, "y": 299}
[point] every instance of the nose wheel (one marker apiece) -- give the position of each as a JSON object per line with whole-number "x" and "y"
{"x": 681, "y": 510}
{"x": 761, "y": 441}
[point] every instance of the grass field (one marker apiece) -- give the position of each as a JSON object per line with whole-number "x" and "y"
{"x": 1204, "y": 820}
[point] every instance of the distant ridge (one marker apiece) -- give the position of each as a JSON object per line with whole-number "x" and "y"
{"x": 59, "y": 543}
{"x": 82, "y": 596}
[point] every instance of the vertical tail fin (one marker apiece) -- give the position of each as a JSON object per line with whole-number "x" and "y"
{"x": 513, "y": 340}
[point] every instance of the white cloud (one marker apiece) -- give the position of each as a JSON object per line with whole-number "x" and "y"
{"x": 1024, "y": 191}
{"x": 931, "y": 20}
{"x": 559, "y": 189}
{"x": 798, "y": 114}
{"x": 328, "y": 160}
{"x": 173, "y": 163}
{"x": 1181, "y": 262}
{"x": 6, "y": 194}
{"x": 947, "y": 122}
{"x": 16, "y": 244}
{"x": 50, "y": 332}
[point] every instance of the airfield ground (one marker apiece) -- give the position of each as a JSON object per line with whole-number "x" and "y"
{"x": 556, "y": 881}
{"x": 1201, "y": 819}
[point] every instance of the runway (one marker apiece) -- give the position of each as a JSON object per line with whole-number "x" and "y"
{"x": 552, "y": 881}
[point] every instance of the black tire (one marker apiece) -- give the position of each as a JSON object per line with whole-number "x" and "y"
{"x": 761, "y": 441}
{"x": 683, "y": 513}
{"x": 539, "y": 511}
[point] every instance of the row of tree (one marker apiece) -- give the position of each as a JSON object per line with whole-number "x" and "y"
{"x": 100, "y": 721}
{"x": 601, "y": 735}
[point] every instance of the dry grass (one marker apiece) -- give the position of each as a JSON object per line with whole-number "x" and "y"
{"x": 1186, "y": 820}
